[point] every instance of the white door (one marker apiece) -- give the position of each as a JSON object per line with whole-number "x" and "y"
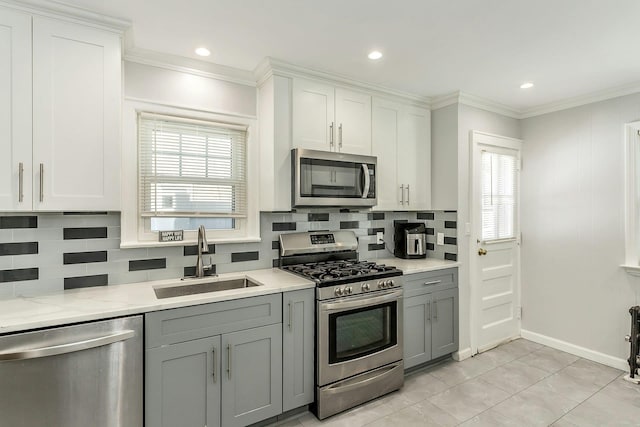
{"x": 15, "y": 111}
{"x": 76, "y": 132}
{"x": 353, "y": 121}
{"x": 313, "y": 116}
{"x": 495, "y": 256}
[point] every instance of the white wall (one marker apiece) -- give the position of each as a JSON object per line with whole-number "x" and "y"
{"x": 470, "y": 119}
{"x": 573, "y": 289}
{"x": 180, "y": 89}
{"x": 444, "y": 155}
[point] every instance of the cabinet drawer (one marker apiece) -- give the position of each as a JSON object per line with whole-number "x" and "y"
{"x": 190, "y": 323}
{"x": 432, "y": 281}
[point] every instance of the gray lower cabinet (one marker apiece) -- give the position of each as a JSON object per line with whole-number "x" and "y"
{"x": 216, "y": 364}
{"x": 297, "y": 348}
{"x": 430, "y": 315}
{"x": 183, "y": 384}
{"x": 252, "y": 375}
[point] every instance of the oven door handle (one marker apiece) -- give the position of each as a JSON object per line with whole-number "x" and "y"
{"x": 360, "y": 302}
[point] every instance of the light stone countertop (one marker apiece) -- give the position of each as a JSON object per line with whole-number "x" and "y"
{"x": 410, "y": 266}
{"x": 102, "y": 302}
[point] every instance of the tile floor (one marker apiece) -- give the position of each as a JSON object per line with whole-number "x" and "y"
{"x": 520, "y": 383}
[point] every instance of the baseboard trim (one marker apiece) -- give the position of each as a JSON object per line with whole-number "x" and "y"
{"x": 583, "y": 352}
{"x": 462, "y": 354}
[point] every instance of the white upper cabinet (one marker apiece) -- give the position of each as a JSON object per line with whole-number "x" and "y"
{"x": 15, "y": 111}
{"x": 76, "y": 119}
{"x": 402, "y": 143}
{"x": 330, "y": 119}
{"x": 60, "y": 97}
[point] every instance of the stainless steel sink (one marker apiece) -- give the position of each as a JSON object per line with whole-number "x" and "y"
{"x": 203, "y": 287}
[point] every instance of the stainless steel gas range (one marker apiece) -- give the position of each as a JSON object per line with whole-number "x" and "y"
{"x": 358, "y": 319}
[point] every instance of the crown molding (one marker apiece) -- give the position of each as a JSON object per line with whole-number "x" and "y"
{"x": 270, "y": 66}
{"x": 190, "y": 66}
{"x": 445, "y": 100}
{"x": 56, "y": 9}
{"x": 474, "y": 101}
{"x": 577, "y": 101}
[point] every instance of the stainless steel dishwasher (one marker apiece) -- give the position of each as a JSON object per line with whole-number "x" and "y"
{"x": 83, "y": 375}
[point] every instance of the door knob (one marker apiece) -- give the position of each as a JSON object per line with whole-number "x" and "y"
{"x": 482, "y": 251}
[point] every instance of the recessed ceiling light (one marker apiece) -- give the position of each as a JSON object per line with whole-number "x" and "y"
{"x": 526, "y": 85}
{"x": 375, "y": 55}
{"x": 203, "y": 51}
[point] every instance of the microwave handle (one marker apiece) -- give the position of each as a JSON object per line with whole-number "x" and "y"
{"x": 367, "y": 180}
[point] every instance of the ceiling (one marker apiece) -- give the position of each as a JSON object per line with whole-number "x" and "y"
{"x": 487, "y": 48}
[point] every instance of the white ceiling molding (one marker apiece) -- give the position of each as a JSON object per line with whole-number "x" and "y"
{"x": 271, "y": 66}
{"x": 581, "y": 100}
{"x": 190, "y": 66}
{"x": 54, "y": 9}
{"x": 474, "y": 101}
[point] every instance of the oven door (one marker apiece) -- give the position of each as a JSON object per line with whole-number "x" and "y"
{"x": 359, "y": 333}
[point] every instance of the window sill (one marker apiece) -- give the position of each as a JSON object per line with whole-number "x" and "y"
{"x": 213, "y": 241}
{"x": 633, "y": 270}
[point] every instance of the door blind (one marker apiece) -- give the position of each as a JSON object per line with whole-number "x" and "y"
{"x": 191, "y": 167}
{"x": 499, "y": 195}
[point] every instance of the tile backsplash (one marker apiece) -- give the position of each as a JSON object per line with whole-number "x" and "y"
{"x": 53, "y": 251}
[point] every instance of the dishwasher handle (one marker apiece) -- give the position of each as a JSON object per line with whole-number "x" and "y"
{"x": 68, "y": 347}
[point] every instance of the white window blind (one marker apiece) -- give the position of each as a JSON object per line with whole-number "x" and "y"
{"x": 499, "y": 187}
{"x": 191, "y": 168}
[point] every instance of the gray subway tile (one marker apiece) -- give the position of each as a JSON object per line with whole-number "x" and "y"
{"x": 20, "y": 274}
{"x": 84, "y": 257}
{"x": 86, "y": 281}
{"x": 18, "y": 221}
{"x": 23, "y": 248}
{"x": 84, "y": 233}
{"x": 147, "y": 264}
{"x": 245, "y": 256}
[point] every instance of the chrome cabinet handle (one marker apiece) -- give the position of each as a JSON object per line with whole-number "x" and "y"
{"x": 214, "y": 364}
{"x": 408, "y": 193}
{"x": 20, "y": 182}
{"x": 331, "y": 135}
{"x": 435, "y": 310}
{"x": 434, "y": 282}
{"x": 229, "y": 361}
{"x": 73, "y": 347}
{"x": 429, "y": 315}
{"x": 290, "y": 314}
{"x": 340, "y": 134}
{"x": 402, "y": 194}
{"x": 41, "y": 182}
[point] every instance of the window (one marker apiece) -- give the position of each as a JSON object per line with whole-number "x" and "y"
{"x": 499, "y": 195}
{"x": 190, "y": 172}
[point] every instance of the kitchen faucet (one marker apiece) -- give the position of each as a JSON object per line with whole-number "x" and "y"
{"x": 203, "y": 248}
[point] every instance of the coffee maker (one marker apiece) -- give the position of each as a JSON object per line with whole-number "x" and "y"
{"x": 410, "y": 240}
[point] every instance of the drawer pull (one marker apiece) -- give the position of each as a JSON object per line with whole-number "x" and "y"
{"x": 433, "y": 282}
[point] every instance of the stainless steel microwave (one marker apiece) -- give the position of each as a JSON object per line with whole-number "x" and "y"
{"x": 323, "y": 178}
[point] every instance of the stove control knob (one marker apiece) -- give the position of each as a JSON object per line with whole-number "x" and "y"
{"x": 338, "y": 292}
{"x": 348, "y": 290}
{"x": 365, "y": 287}
{"x": 382, "y": 284}
{"x": 390, "y": 283}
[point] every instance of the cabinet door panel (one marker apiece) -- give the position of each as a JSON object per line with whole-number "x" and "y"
{"x": 15, "y": 109}
{"x": 181, "y": 389}
{"x": 353, "y": 121}
{"x": 414, "y": 154}
{"x": 76, "y": 133}
{"x": 385, "y": 122}
{"x": 297, "y": 348}
{"x": 417, "y": 330}
{"x": 313, "y": 115}
{"x": 444, "y": 322}
{"x": 252, "y": 375}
